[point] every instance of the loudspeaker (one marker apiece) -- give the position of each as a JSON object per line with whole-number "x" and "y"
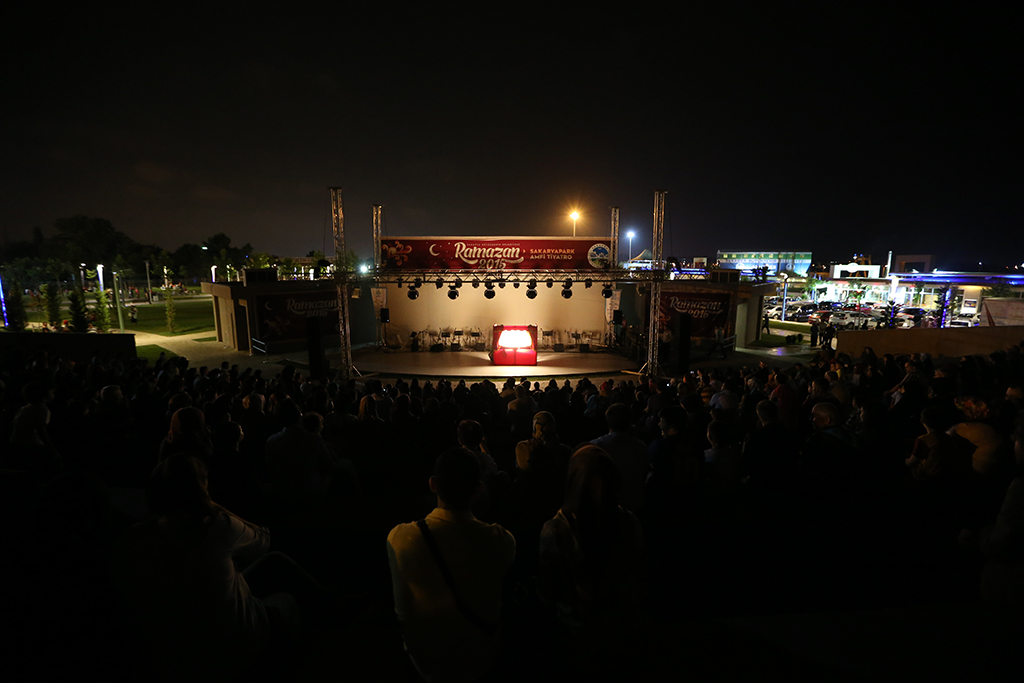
{"x": 385, "y": 315}
{"x": 437, "y": 347}
{"x": 559, "y": 348}
{"x": 456, "y": 346}
{"x": 584, "y": 348}
{"x": 617, "y": 316}
{"x": 315, "y": 346}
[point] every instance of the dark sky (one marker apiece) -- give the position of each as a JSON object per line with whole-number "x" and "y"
{"x": 772, "y": 125}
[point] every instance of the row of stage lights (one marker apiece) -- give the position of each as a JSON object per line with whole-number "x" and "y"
{"x": 531, "y": 287}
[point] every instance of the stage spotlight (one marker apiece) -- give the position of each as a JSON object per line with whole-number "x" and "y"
{"x": 413, "y": 293}
{"x": 551, "y": 282}
{"x": 516, "y": 284}
{"x": 458, "y": 282}
{"x": 439, "y": 283}
{"x": 588, "y": 283}
{"x": 567, "y": 284}
{"x": 566, "y": 293}
{"x": 400, "y": 282}
{"x": 532, "y": 284}
{"x": 418, "y": 282}
{"x": 531, "y": 294}
{"x": 453, "y": 294}
{"x": 489, "y": 294}
{"x": 501, "y": 284}
{"x": 489, "y": 284}
{"x": 606, "y": 292}
{"x": 476, "y": 283}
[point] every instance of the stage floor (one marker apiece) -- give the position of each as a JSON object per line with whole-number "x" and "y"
{"x": 476, "y": 364}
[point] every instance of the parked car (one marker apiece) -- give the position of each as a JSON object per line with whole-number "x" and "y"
{"x": 820, "y": 316}
{"x": 960, "y": 322}
{"x": 775, "y": 312}
{"x": 853, "y": 320}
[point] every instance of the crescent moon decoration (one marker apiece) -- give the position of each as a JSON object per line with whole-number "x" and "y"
{"x": 431, "y": 250}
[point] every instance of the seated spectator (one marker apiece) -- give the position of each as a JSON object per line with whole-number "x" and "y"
{"x": 188, "y": 434}
{"x": 627, "y": 452}
{"x": 447, "y": 575}
{"x": 1002, "y": 580}
{"x": 592, "y": 562}
{"x": 182, "y": 578}
{"x": 31, "y": 449}
{"x": 299, "y": 462}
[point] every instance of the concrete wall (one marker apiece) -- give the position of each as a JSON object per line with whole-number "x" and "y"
{"x": 953, "y": 342}
{"x": 16, "y": 347}
{"x": 433, "y": 309}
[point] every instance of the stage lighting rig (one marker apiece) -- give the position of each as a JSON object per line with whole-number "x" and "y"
{"x": 489, "y": 294}
{"x": 531, "y": 294}
{"x": 453, "y": 293}
{"x": 566, "y": 293}
{"x": 413, "y": 293}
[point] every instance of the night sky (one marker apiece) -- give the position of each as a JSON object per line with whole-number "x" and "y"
{"x": 773, "y": 125}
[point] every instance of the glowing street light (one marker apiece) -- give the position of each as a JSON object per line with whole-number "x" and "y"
{"x": 574, "y": 216}
{"x": 630, "y": 235}
{"x": 213, "y": 273}
{"x": 99, "y": 271}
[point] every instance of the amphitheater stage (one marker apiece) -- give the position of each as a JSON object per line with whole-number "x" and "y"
{"x": 477, "y": 365}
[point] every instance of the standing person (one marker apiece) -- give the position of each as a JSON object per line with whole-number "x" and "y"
{"x": 765, "y": 324}
{"x": 133, "y": 314}
{"x": 447, "y": 573}
{"x": 814, "y": 334}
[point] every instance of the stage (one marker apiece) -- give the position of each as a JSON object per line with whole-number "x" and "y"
{"x": 476, "y": 364}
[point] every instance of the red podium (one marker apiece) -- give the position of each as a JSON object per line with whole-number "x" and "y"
{"x": 514, "y": 345}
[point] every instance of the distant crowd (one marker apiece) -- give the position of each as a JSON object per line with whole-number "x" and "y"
{"x": 571, "y": 520}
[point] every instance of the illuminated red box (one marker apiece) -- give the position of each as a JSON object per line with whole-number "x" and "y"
{"x": 514, "y": 345}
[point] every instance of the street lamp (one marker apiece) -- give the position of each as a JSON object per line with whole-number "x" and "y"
{"x": 630, "y": 235}
{"x": 213, "y": 273}
{"x": 574, "y": 215}
{"x": 81, "y": 271}
{"x": 99, "y": 271}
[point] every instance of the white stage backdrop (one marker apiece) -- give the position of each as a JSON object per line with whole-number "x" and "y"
{"x": 584, "y": 312}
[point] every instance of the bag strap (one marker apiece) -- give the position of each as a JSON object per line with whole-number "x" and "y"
{"x": 483, "y": 626}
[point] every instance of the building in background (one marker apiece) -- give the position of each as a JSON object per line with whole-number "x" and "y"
{"x": 777, "y": 262}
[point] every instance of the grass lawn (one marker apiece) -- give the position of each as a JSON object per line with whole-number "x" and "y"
{"x": 151, "y": 352}
{"x": 795, "y": 328}
{"x": 192, "y": 316}
{"x": 769, "y": 341}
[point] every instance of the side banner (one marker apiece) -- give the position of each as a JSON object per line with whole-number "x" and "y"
{"x": 708, "y": 310}
{"x": 496, "y": 253}
{"x": 282, "y": 317}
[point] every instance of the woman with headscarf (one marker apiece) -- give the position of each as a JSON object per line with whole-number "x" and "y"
{"x": 592, "y": 558}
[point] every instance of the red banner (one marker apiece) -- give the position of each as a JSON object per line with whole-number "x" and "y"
{"x": 496, "y": 253}
{"x": 707, "y": 310}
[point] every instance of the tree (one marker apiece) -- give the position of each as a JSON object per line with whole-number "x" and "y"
{"x": 998, "y": 290}
{"x": 51, "y": 303}
{"x": 102, "y": 310}
{"x": 15, "y": 304}
{"x": 172, "y": 313}
{"x": 78, "y": 311}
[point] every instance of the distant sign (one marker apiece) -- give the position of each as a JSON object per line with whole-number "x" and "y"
{"x": 706, "y": 310}
{"x": 495, "y": 253}
{"x": 282, "y": 317}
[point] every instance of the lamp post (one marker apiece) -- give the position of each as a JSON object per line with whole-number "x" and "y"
{"x": 99, "y": 271}
{"x": 630, "y": 235}
{"x": 149, "y": 286}
{"x": 213, "y": 273}
{"x": 574, "y": 215}
{"x": 117, "y": 302}
{"x": 81, "y": 271}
